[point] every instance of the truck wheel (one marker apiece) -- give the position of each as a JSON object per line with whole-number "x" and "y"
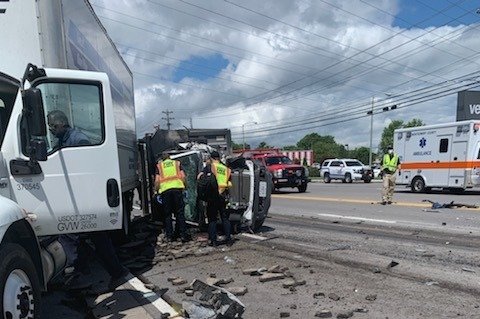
{"x": 326, "y": 178}
{"x": 19, "y": 284}
{"x": 348, "y": 178}
{"x": 418, "y": 185}
{"x": 302, "y": 188}
{"x": 367, "y": 180}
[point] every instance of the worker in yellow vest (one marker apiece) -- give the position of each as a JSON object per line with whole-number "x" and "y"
{"x": 390, "y": 165}
{"x": 217, "y": 206}
{"x": 170, "y": 184}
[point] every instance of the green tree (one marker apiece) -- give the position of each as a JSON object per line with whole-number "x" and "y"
{"x": 236, "y": 146}
{"x": 362, "y": 154}
{"x": 290, "y": 148}
{"x": 387, "y": 134}
{"x": 264, "y": 145}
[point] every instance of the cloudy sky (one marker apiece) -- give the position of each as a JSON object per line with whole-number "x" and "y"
{"x": 295, "y": 67}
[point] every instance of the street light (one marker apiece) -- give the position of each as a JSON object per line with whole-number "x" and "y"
{"x": 371, "y": 125}
{"x": 243, "y": 132}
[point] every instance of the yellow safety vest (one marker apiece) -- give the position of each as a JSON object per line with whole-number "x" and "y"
{"x": 222, "y": 174}
{"x": 390, "y": 163}
{"x": 171, "y": 177}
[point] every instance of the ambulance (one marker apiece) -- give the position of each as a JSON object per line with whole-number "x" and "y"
{"x": 439, "y": 156}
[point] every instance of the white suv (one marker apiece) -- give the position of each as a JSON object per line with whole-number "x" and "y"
{"x": 345, "y": 169}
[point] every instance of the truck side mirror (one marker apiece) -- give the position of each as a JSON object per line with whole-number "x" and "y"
{"x": 33, "y": 112}
{"x": 37, "y": 128}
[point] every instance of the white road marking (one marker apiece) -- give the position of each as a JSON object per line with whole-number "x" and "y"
{"x": 359, "y": 218}
{"x": 257, "y": 237}
{"x": 151, "y": 296}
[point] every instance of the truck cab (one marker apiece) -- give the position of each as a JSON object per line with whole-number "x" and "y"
{"x": 284, "y": 172}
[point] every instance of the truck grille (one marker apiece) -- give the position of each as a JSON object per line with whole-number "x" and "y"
{"x": 293, "y": 172}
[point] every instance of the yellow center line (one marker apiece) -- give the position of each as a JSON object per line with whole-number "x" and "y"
{"x": 358, "y": 201}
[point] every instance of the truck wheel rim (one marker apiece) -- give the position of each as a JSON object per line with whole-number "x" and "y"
{"x": 18, "y": 296}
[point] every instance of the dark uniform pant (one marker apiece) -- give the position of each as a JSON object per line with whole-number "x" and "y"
{"x": 173, "y": 204}
{"x": 215, "y": 208}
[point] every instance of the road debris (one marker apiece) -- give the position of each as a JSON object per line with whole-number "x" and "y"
{"x": 214, "y": 302}
{"x": 323, "y": 314}
{"x": 371, "y": 297}
{"x": 392, "y": 264}
{"x": 345, "y": 315}
{"x": 271, "y": 277}
{"x": 468, "y": 269}
{"x": 452, "y": 204}
{"x": 334, "y": 296}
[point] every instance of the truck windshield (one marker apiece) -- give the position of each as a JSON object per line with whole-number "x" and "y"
{"x": 8, "y": 94}
{"x": 277, "y": 160}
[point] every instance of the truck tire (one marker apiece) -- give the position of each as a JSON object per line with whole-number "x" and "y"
{"x": 302, "y": 188}
{"x": 418, "y": 185}
{"x": 367, "y": 180}
{"x": 348, "y": 178}
{"x": 19, "y": 284}
{"x": 326, "y": 178}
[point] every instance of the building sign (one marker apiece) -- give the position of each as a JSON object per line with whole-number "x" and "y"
{"x": 468, "y": 105}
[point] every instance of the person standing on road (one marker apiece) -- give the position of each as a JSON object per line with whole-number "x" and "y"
{"x": 390, "y": 164}
{"x": 217, "y": 205}
{"x": 170, "y": 184}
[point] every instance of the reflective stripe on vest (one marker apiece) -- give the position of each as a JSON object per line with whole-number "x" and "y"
{"x": 171, "y": 176}
{"x": 222, "y": 174}
{"x": 390, "y": 163}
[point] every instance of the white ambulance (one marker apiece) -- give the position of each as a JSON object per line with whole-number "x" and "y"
{"x": 439, "y": 156}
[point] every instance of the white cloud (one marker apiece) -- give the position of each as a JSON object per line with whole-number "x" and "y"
{"x": 331, "y": 51}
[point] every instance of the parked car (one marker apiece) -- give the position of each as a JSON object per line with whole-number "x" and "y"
{"x": 345, "y": 169}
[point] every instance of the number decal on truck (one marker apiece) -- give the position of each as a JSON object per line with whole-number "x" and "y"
{"x": 28, "y": 186}
{"x": 77, "y": 222}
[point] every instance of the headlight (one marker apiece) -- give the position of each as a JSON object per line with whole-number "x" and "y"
{"x": 278, "y": 173}
{"x": 298, "y": 172}
{"x": 307, "y": 172}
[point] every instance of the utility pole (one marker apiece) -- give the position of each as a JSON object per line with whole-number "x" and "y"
{"x": 168, "y": 118}
{"x": 191, "y": 123}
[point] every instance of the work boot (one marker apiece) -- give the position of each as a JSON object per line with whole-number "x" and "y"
{"x": 383, "y": 203}
{"x": 389, "y": 202}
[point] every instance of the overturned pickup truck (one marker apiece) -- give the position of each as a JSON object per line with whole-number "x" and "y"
{"x": 249, "y": 196}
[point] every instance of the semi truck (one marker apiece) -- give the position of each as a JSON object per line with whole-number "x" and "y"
{"x": 57, "y": 57}
{"x": 439, "y": 156}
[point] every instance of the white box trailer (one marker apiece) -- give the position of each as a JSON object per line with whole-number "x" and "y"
{"x": 439, "y": 156}
{"x": 47, "y": 188}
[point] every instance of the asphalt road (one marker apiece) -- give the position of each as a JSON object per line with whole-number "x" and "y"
{"x": 342, "y": 243}
{"x": 361, "y": 202}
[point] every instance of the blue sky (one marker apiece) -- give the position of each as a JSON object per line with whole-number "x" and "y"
{"x": 200, "y": 68}
{"x": 420, "y": 14}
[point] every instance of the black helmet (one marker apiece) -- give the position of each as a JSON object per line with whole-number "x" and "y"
{"x": 215, "y": 155}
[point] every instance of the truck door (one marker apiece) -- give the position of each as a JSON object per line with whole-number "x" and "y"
{"x": 458, "y": 167}
{"x": 441, "y": 172}
{"x": 77, "y": 189}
